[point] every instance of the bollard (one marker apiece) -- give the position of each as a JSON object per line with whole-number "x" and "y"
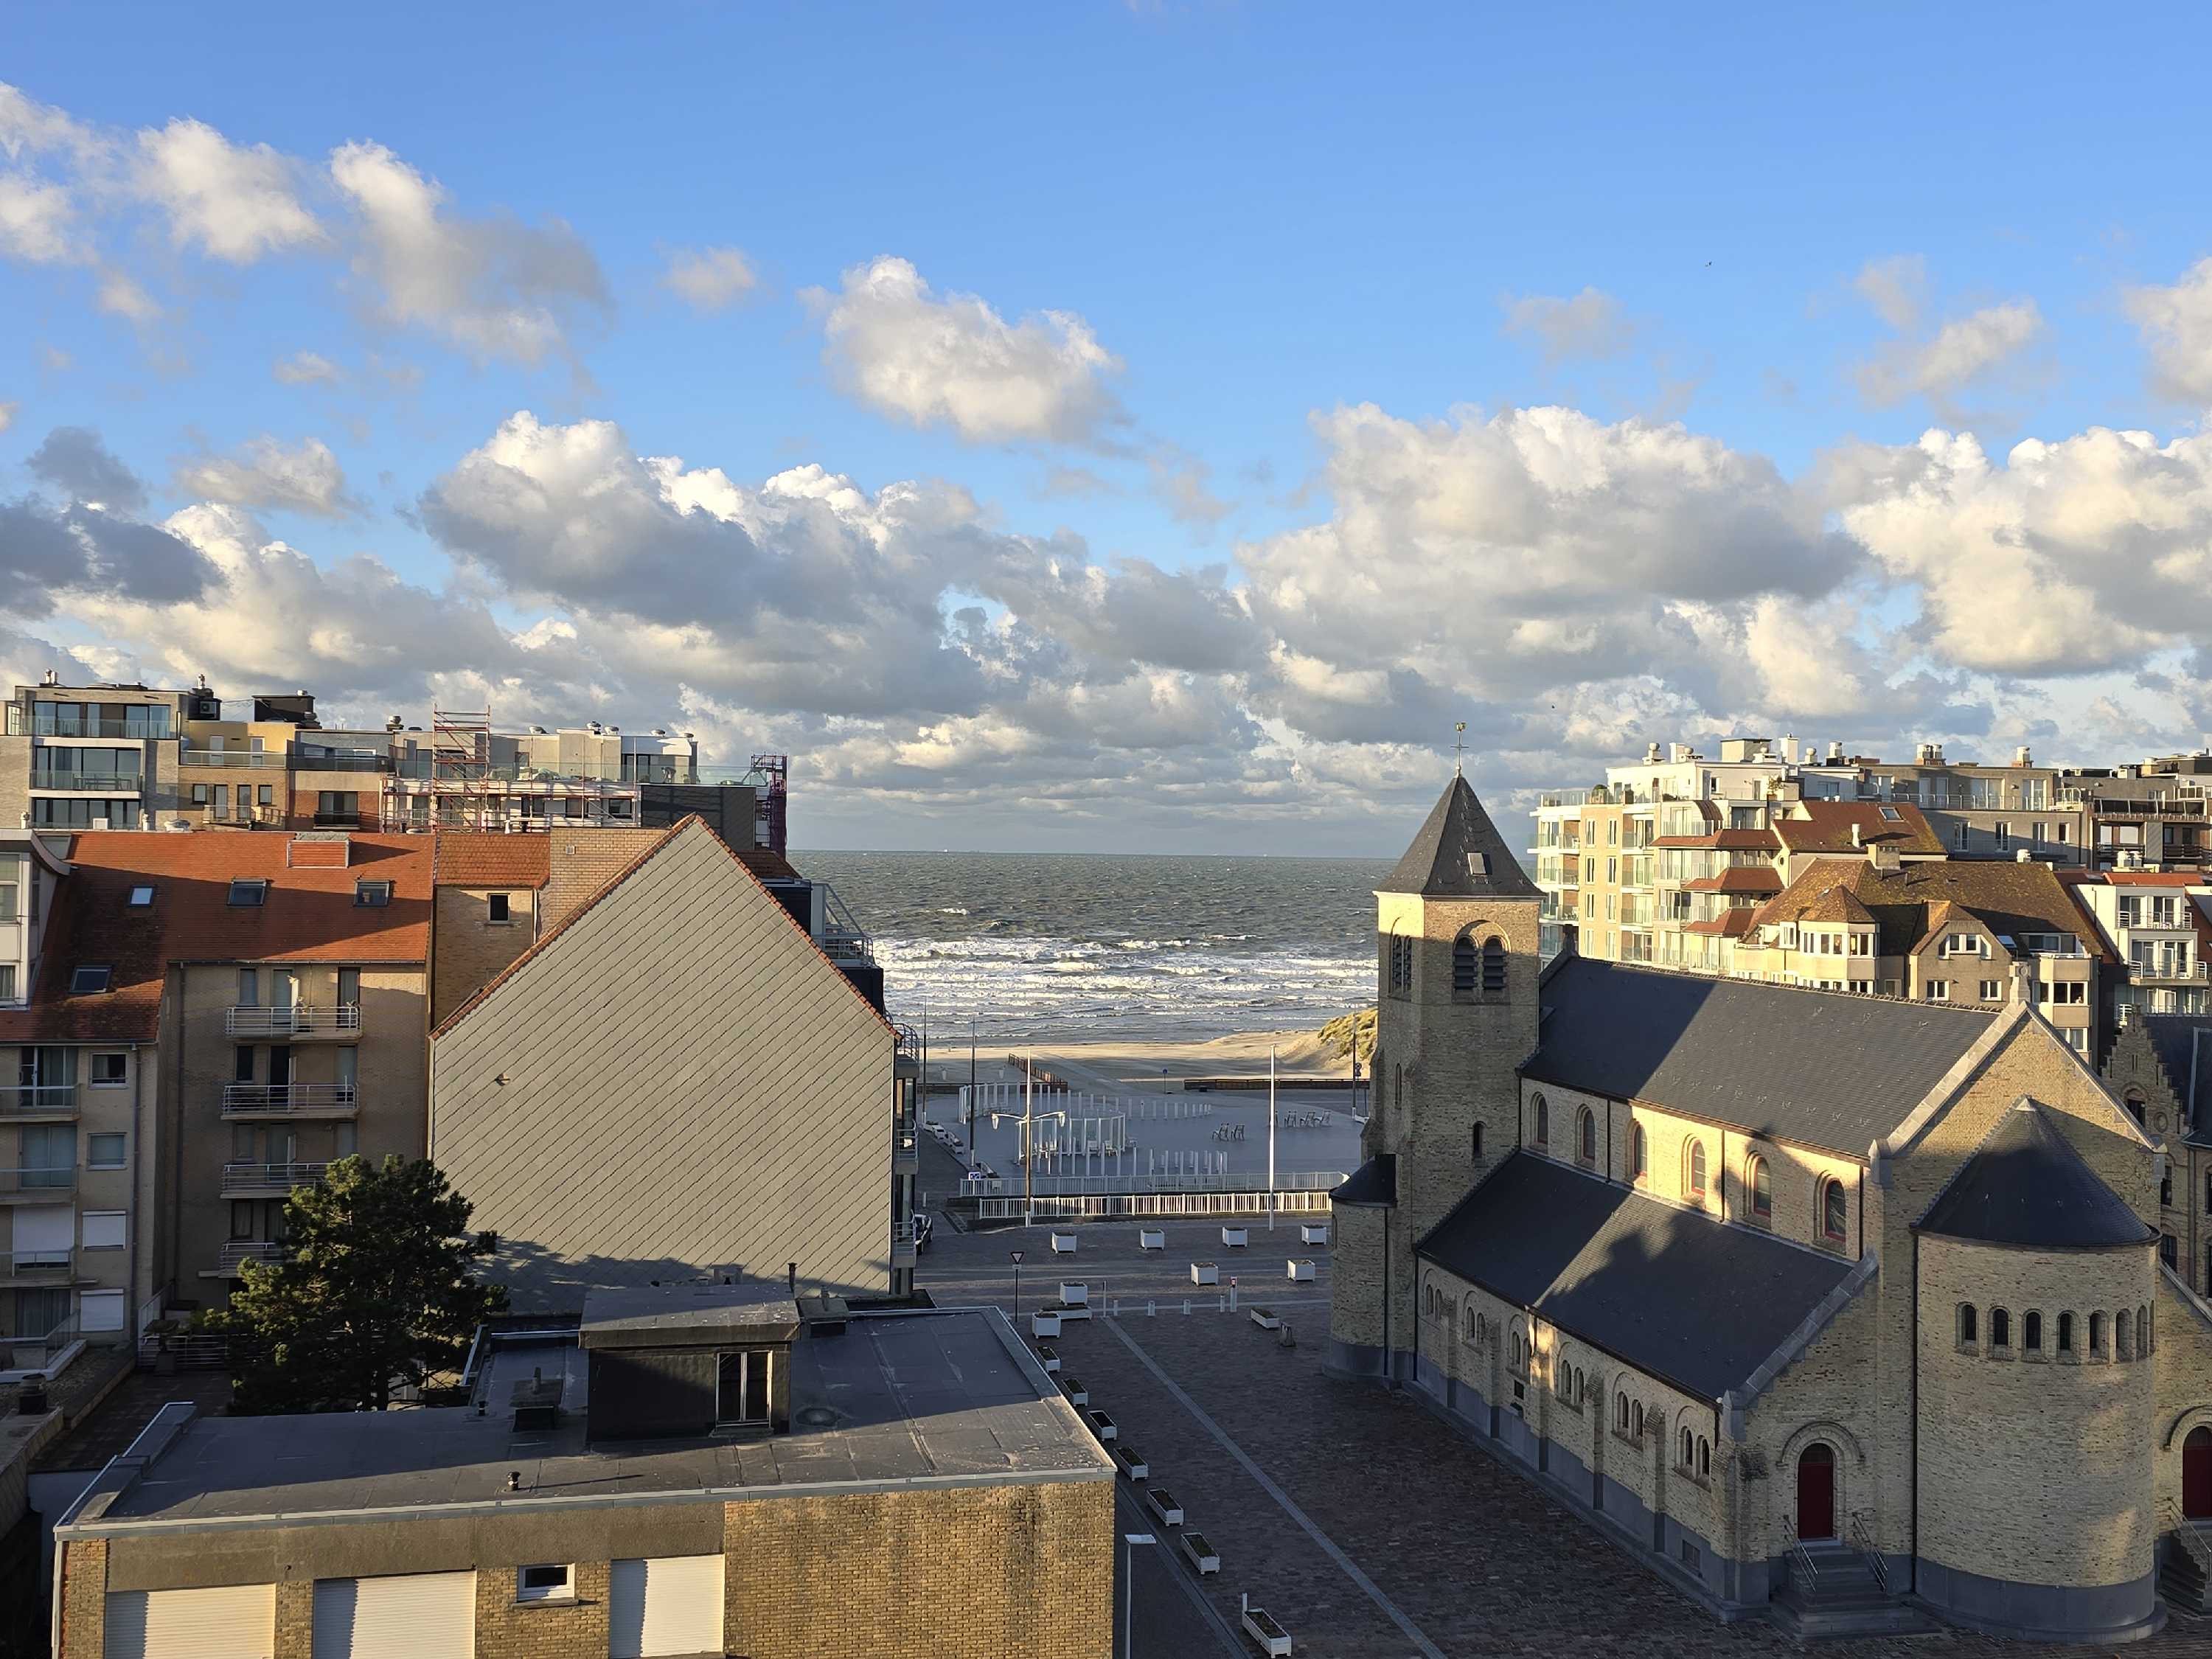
{"x": 1186, "y": 1307}
{"x": 1150, "y": 1310}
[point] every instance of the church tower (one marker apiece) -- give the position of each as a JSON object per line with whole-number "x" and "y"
{"x": 1455, "y": 967}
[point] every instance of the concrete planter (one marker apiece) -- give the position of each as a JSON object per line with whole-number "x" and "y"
{"x": 1076, "y": 1393}
{"x": 1132, "y": 1461}
{"x": 1272, "y": 1636}
{"x": 1312, "y": 1232}
{"x": 1063, "y": 1243}
{"x": 1151, "y": 1238}
{"x": 1044, "y": 1324}
{"x": 1205, "y": 1273}
{"x": 1049, "y": 1358}
{"x": 1302, "y": 1272}
{"x": 1165, "y": 1506}
{"x": 1103, "y": 1426}
{"x": 1072, "y": 1295}
{"x": 1266, "y": 1319}
{"x": 1199, "y": 1552}
{"x": 1236, "y": 1238}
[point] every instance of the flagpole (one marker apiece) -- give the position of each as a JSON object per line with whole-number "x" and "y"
{"x": 1271, "y": 1137}
{"x": 1028, "y": 1140}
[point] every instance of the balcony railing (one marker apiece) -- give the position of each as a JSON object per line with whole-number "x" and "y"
{"x": 45, "y": 724}
{"x": 299, "y": 1020}
{"x": 239, "y": 1251}
{"x": 40, "y": 1182}
{"x": 349, "y": 760}
{"x": 104, "y": 783}
{"x": 233, "y": 760}
{"x": 34, "y": 1264}
{"x": 2051, "y": 944}
{"x": 298, "y": 1099}
{"x": 270, "y": 1177}
{"x": 23, "y": 1099}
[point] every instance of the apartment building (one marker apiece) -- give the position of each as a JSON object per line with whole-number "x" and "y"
{"x": 83, "y": 757}
{"x": 2158, "y": 923}
{"x": 673, "y": 1078}
{"x": 703, "y": 1470}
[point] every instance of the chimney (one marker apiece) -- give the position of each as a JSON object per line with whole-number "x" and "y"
{"x": 50, "y": 677}
{"x": 1650, "y": 755}
{"x": 1882, "y": 856}
{"x": 2020, "y": 755}
{"x": 1858, "y": 838}
{"x": 1790, "y": 748}
{"x": 2022, "y": 857}
{"x": 1835, "y": 751}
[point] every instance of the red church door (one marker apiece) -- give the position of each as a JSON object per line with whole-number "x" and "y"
{"x": 1816, "y": 1491}
{"x": 2196, "y": 1475}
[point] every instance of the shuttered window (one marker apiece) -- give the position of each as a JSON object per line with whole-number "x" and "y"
{"x": 424, "y": 1615}
{"x": 668, "y": 1604}
{"x": 229, "y": 1621}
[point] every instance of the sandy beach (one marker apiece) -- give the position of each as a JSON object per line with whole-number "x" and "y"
{"x": 1243, "y": 1055}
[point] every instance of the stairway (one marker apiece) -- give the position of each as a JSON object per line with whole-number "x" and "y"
{"x": 1843, "y": 1598}
{"x": 2181, "y": 1575}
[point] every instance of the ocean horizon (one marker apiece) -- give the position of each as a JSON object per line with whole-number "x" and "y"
{"x": 1112, "y": 946}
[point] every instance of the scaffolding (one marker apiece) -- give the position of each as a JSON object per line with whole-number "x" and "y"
{"x": 771, "y": 804}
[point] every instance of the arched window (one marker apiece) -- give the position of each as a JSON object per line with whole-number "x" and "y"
{"x": 2096, "y": 1335}
{"x": 1480, "y": 1327}
{"x": 1620, "y": 1413}
{"x": 2166, "y": 1189}
{"x": 1638, "y": 1411}
{"x": 1689, "y": 1448}
{"x": 1493, "y": 968}
{"x": 2143, "y": 1330}
{"x": 1835, "y": 1209}
{"x": 2000, "y": 1328}
{"x": 2122, "y": 1348}
{"x": 2066, "y": 1332}
{"x": 1639, "y": 1154}
{"x": 1477, "y": 1141}
{"x": 1586, "y": 1136}
{"x": 2134, "y": 1104}
{"x": 1704, "y": 1459}
{"x": 1543, "y": 1121}
{"x": 2031, "y": 1333}
{"x": 1966, "y": 1331}
{"x": 1760, "y": 1186}
{"x": 1582, "y": 1386}
{"x": 1693, "y": 1170}
{"x": 1401, "y": 965}
{"x": 1466, "y": 967}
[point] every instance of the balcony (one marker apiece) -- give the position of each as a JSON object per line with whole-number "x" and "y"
{"x": 39, "y": 1100}
{"x": 348, "y": 760}
{"x": 268, "y": 1180}
{"x": 289, "y": 1100}
{"x": 42, "y": 1266}
{"x": 905, "y": 1156}
{"x": 299, "y": 1020}
{"x": 45, "y": 723}
{"x": 2170, "y": 973}
{"x": 903, "y": 1238}
{"x": 238, "y": 1252}
{"x": 232, "y": 760}
{"x": 38, "y": 1185}
{"x": 87, "y": 783}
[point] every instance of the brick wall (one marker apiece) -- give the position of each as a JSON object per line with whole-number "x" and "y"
{"x": 508, "y": 1629}
{"x": 471, "y": 950}
{"x": 84, "y": 1599}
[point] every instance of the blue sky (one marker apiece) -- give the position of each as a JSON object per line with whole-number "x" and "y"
{"x": 1646, "y": 314}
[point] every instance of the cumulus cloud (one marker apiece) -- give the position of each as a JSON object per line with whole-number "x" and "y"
{"x": 1590, "y": 324}
{"x": 1897, "y": 288}
{"x": 93, "y": 543}
{"x": 2176, "y": 325}
{"x": 265, "y": 475}
{"x": 75, "y": 461}
{"x": 952, "y": 361}
{"x": 1182, "y": 484}
{"x": 1963, "y": 352}
{"x": 709, "y": 279}
{"x": 37, "y": 219}
{"x": 305, "y": 368}
{"x": 8, "y": 415}
{"x": 233, "y": 202}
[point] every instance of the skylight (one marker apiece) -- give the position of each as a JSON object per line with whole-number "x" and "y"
{"x": 90, "y": 976}
{"x": 372, "y": 895}
{"x": 1893, "y": 814}
{"x": 140, "y": 897}
{"x": 248, "y": 894}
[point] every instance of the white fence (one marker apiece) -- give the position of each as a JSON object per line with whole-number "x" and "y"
{"x": 1106, "y": 1207}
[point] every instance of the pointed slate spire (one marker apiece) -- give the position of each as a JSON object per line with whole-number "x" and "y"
{"x": 1459, "y": 854}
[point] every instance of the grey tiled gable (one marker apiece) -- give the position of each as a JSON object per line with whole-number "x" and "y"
{"x": 1669, "y": 1290}
{"x": 2027, "y": 1185}
{"x": 2184, "y": 1042}
{"x": 1822, "y": 1068}
{"x": 1458, "y": 853}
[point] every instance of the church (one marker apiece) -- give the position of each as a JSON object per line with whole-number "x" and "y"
{"x": 1841, "y": 1310}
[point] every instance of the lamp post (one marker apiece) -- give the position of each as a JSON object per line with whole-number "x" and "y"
{"x": 1017, "y": 1255}
{"x": 1132, "y": 1540}
{"x": 1271, "y": 1137}
{"x": 971, "y": 1090}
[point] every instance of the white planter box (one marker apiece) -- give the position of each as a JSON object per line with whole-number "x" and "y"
{"x": 1049, "y": 1358}
{"x": 1076, "y": 1393}
{"x": 1068, "y": 1310}
{"x": 1103, "y": 1426}
{"x": 1151, "y": 1238}
{"x": 1205, "y": 1273}
{"x": 1272, "y": 1636}
{"x": 1236, "y": 1238}
{"x": 1044, "y": 1324}
{"x": 1266, "y": 1319}
{"x": 1063, "y": 1243}
{"x": 1072, "y": 1295}
{"x": 1132, "y": 1461}
{"x": 1164, "y": 1504}
{"x": 1199, "y": 1552}
{"x": 1302, "y": 1272}
{"x": 1312, "y": 1232}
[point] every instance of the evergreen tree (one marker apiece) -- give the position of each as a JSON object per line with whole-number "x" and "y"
{"x": 379, "y": 1291}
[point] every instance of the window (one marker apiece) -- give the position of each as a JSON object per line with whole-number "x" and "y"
{"x": 1543, "y": 1121}
{"x": 7, "y": 981}
{"x": 1401, "y": 965}
{"x": 2066, "y": 1332}
{"x": 1891, "y": 815}
{"x": 104, "y": 1229}
{"x": 2121, "y": 1332}
{"x": 496, "y": 910}
{"x": 336, "y": 804}
{"x": 1704, "y": 1459}
{"x": 1761, "y": 1187}
{"x": 103, "y": 1152}
{"x": 1937, "y": 990}
{"x": 1968, "y": 1334}
{"x": 109, "y": 1071}
{"x": 1493, "y": 968}
{"x": 1477, "y": 1141}
{"x": 1639, "y": 1154}
{"x": 742, "y": 1391}
{"x": 1465, "y": 967}
{"x": 2143, "y": 1330}
{"x": 372, "y": 895}
{"x": 2169, "y": 1249}
{"x": 2096, "y": 1335}
{"x": 140, "y": 897}
{"x": 1835, "y": 1209}
{"x": 199, "y": 794}
{"x": 249, "y": 987}
{"x": 543, "y": 1584}
{"x": 1693, "y": 1170}
{"x": 2000, "y": 1328}
{"x": 1586, "y": 1136}
{"x": 89, "y": 977}
{"x": 2030, "y": 1333}
{"x": 1958, "y": 835}
{"x": 1688, "y": 1449}
{"x": 248, "y": 894}
{"x": 1992, "y": 990}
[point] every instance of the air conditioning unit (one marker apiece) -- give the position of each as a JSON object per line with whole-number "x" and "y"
{"x": 2127, "y": 860}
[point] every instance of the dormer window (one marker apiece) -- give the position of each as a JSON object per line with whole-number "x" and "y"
{"x": 142, "y": 897}
{"x": 248, "y": 894}
{"x": 89, "y": 977}
{"x": 372, "y": 895}
{"x": 742, "y": 1392}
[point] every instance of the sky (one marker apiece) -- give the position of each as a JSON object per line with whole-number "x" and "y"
{"x": 1122, "y": 427}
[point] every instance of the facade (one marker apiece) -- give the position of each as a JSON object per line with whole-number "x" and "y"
{"x": 705, "y": 1471}
{"x": 86, "y": 757}
{"x": 2160, "y": 1067}
{"x": 2160, "y": 925}
{"x": 1813, "y": 1300}
{"x": 674, "y": 1078}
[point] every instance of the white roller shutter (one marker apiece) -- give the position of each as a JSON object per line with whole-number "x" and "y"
{"x": 422, "y": 1615}
{"x": 666, "y": 1604}
{"x": 230, "y": 1622}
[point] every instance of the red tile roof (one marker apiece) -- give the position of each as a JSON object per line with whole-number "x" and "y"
{"x": 1724, "y": 841}
{"x": 308, "y": 914}
{"x": 1730, "y": 924}
{"x": 1744, "y": 879}
{"x": 476, "y": 858}
{"x": 1827, "y": 825}
{"x": 2155, "y": 878}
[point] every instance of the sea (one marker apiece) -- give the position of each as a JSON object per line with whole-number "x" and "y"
{"x": 1097, "y": 947}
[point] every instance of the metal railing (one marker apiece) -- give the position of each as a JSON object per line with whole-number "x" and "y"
{"x": 17, "y": 1263}
{"x": 102, "y": 783}
{"x": 1045, "y": 1186}
{"x": 23, "y": 1097}
{"x": 349, "y": 760}
{"x": 305, "y": 1098}
{"x": 1121, "y": 1206}
{"x": 49, "y": 725}
{"x": 293, "y": 1020}
{"x": 283, "y": 1178}
{"x": 251, "y": 1249}
{"x": 1862, "y": 1540}
{"x": 249, "y": 760}
{"x": 56, "y": 1179}
{"x": 1800, "y": 1558}
{"x": 2051, "y": 944}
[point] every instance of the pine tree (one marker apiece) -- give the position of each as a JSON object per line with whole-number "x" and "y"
{"x": 379, "y": 1292}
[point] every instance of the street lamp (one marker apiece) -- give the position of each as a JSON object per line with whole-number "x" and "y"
{"x": 1133, "y": 1540}
{"x": 1017, "y": 1255}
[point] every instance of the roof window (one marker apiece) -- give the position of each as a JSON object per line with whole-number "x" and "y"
{"x": 1893, "y": 814}
{"x": 141, "y": 897}
{"x": 248, "y": 894}
{"x": 90, "y": 977}
{"x": 372, "y": 895}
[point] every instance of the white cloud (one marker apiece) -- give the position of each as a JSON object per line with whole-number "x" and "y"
{"x": 2176, "y": 325}
{"x": 118, "y": 296}
{"x": 233, "y": 202}
{"x": 496, "y": 288}
{"x": 709, "y": 278}
{"x": 305, "y": 368}
{"x": 952, "y": 361}
{"x": 1181, "y": 483}
{"x": 37, "y": 221}
{"x": 264, "y": 474}
{"x": 1590, "y": 324}
{"x": 1965, "y": 352}
{"x": 1897, "y": 287}
{"x": 8, "y": 415}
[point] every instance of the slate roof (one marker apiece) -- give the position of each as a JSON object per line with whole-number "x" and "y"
{"x": 2009, "y": 897}
{"x": 1458, "y": 853}
{"x": 2177, "y": 1039}
{"x": 1671, "y": 1292}
{"x": 1373, "y": 1185}
{"x": 1822, "y": 1068}
{"x": 2025, "y": 1185}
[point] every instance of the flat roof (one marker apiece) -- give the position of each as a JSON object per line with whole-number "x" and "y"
{"x": 688, "y": 1316}
{"x": 942, "y": 1397}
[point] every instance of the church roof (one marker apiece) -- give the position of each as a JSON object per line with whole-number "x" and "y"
{"x": 2026, "y": 1185}
{"x": 1672, "y": 1292}
{"x": 1459, "y": 854}
{"x": 1822, "y": 1068}
{"x": 1372, "y": 1186}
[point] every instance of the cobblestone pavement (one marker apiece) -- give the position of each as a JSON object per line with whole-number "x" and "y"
{"x": 1474, "y": 1554}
